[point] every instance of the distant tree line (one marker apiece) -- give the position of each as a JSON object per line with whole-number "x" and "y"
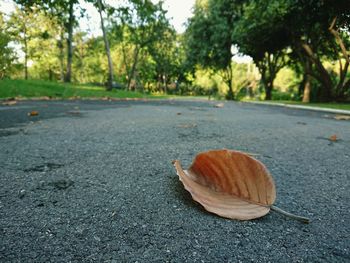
{"x": 300, "y": 47}
{"x": 138, "y": 49}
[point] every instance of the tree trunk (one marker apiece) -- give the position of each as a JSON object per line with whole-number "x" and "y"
{"x": 230, "y": 94}
{"x": 25, "y": 59}
{"x": 324, "y": 76}
{"x": 267, "y": 84}
{"x": 228, "y": 77}
{"x": 268, "y": 95}
{"x": 25, "y": 52}
{"x": 108, "y": 53}
{"x": 268, "y": 67}
{"x": 165, "y": 84}
{"x": 343, "y": 70}
{"x": 50, "y": 74}
{"x": 70, "y": 42}
{"x": 159, "y": 79}
{"x": 61, "y": 55}
{"x": 133, "y": 68}
{"x": 307, "y": 82}
{"x": 125, "y": 61}
{"x": 268, "y": 91}
{"x": 307, "y": 89}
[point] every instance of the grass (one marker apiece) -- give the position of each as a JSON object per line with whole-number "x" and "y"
{"x": 39, "y": 88}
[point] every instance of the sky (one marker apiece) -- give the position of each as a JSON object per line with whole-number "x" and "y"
{"x": 180, "y": 10}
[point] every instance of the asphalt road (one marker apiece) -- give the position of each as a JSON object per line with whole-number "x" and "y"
{"x": 92, "y": 181}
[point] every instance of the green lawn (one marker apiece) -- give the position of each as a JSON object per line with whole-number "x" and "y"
{"x": 39, "y": 88}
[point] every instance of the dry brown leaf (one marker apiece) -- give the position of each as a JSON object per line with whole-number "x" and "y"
{"x": 33, "y": 113}
{"x": 342, "y": 117}
{"x": 333, "y": 138}
{"x": 230, "y": 184}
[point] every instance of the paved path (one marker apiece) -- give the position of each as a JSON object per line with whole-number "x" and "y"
{"x": 93, "y": 182}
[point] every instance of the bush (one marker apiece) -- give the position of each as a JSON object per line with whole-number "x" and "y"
{"x": 278, "y": 95}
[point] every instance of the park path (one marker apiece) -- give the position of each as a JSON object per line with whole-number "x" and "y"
{"x": 92, "y": 181}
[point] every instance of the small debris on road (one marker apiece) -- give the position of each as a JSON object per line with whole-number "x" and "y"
{"x": 9, "y": 103}
{"x": 342, "y": 117}
{"x": 33, "y": 113}
{"x": 219, "y": 105}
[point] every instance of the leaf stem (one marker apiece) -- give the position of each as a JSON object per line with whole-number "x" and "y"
{"x": 299, "y": 218}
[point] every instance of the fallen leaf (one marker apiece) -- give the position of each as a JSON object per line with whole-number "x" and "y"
{"x": 191, "y": 125}
{"x": 33, "y": 113}
{"x": 333, "y": 138}
{"x": 9, "y": 102}
{"x": 219, "y": 105}
{"x": 342, "y": 117}
{"x": 73, "y": 112}
{"x": 230, "y": 184}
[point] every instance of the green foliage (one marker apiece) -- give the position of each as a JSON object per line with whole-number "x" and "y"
{"x": 6, "y": 52}
{"x": 209, "y": 37}
{"x": 39, "y": 88}
{"x": 144, "y": 28}
{"x": 307, "y": 40}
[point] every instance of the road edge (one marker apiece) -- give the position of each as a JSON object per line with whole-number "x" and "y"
{"x": 301, "y": 107}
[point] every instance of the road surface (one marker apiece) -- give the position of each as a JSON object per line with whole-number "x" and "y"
{"x": 92, "y": 181}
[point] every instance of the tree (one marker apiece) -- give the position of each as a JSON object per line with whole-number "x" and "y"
{"x": 63, "y": 10}
{"x": 142, "y": 24}
{"x": 260, "y": 34}
{"x": 314, "y": 31}
{"x": 101, "y": 7}
{"x": 22, "y": 31}
{"x": 323, "y": 35}
{"x": 163, "y": 53}
{"x": 37, "y": 35}
{"x": 6, "y": 53}
{"x": 209, "y": 37}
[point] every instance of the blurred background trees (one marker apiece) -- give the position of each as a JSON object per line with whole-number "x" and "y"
{"x": 298, "y": 49}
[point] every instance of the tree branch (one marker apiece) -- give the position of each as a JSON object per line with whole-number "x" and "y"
{"x": 339, "y": 40}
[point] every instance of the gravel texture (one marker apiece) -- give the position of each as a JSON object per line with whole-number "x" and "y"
{"x": 92, "y": 181}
